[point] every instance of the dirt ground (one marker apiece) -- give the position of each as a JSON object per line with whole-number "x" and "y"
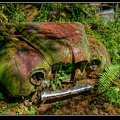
{"x": 84, "y": 103}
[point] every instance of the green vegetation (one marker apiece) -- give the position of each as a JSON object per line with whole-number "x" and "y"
{"x": 58, "y": 106}
{"x": 61, "y": 73}
{"x": 107, "y": 32}
{"x": 31, "y": 111}
{"x": 109, "y": 77}
{"x": 109, "y": 84}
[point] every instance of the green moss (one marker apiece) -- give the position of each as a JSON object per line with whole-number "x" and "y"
{"x": 99, "y": 42}
{"x": 85, "y": 42}
{"x": 13, "y": 81}
{"x": 43, "y": 64}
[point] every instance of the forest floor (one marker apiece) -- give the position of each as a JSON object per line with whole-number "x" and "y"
{"x": 84, "y": 103}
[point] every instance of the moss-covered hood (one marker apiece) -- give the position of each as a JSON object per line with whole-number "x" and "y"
{"x": 41, "y": 45}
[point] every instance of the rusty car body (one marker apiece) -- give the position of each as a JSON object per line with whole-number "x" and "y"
{"x": 28, "y": 56}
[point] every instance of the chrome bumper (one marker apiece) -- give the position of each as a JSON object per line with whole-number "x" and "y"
{"x": 73, "y": 90}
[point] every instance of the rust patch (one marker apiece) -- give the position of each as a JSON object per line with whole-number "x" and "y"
{"x": 26, "y": 58}
{"x": 56, "y": 30}
{"x": 68, "y": 33}
{"x": 79, "y": 54}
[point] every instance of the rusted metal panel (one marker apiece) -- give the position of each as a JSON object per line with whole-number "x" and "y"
{"x": 68, "y": 37}
{"x": 38, "y": 46}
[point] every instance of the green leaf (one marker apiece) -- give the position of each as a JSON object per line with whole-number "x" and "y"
{"x": 107, "y": 78}
{"x": 53, "y": 86}
{"x": 58, "y": 82}
{"x": 1, "y": 96}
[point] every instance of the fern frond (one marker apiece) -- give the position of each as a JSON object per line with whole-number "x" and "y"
{"x": 107, "y": 77}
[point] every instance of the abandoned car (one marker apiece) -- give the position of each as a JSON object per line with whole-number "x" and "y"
{"x": 51, "y": 57}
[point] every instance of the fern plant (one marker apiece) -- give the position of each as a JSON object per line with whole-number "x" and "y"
{"x": 109, "y": 84}
{"x": 108, "y": 77}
